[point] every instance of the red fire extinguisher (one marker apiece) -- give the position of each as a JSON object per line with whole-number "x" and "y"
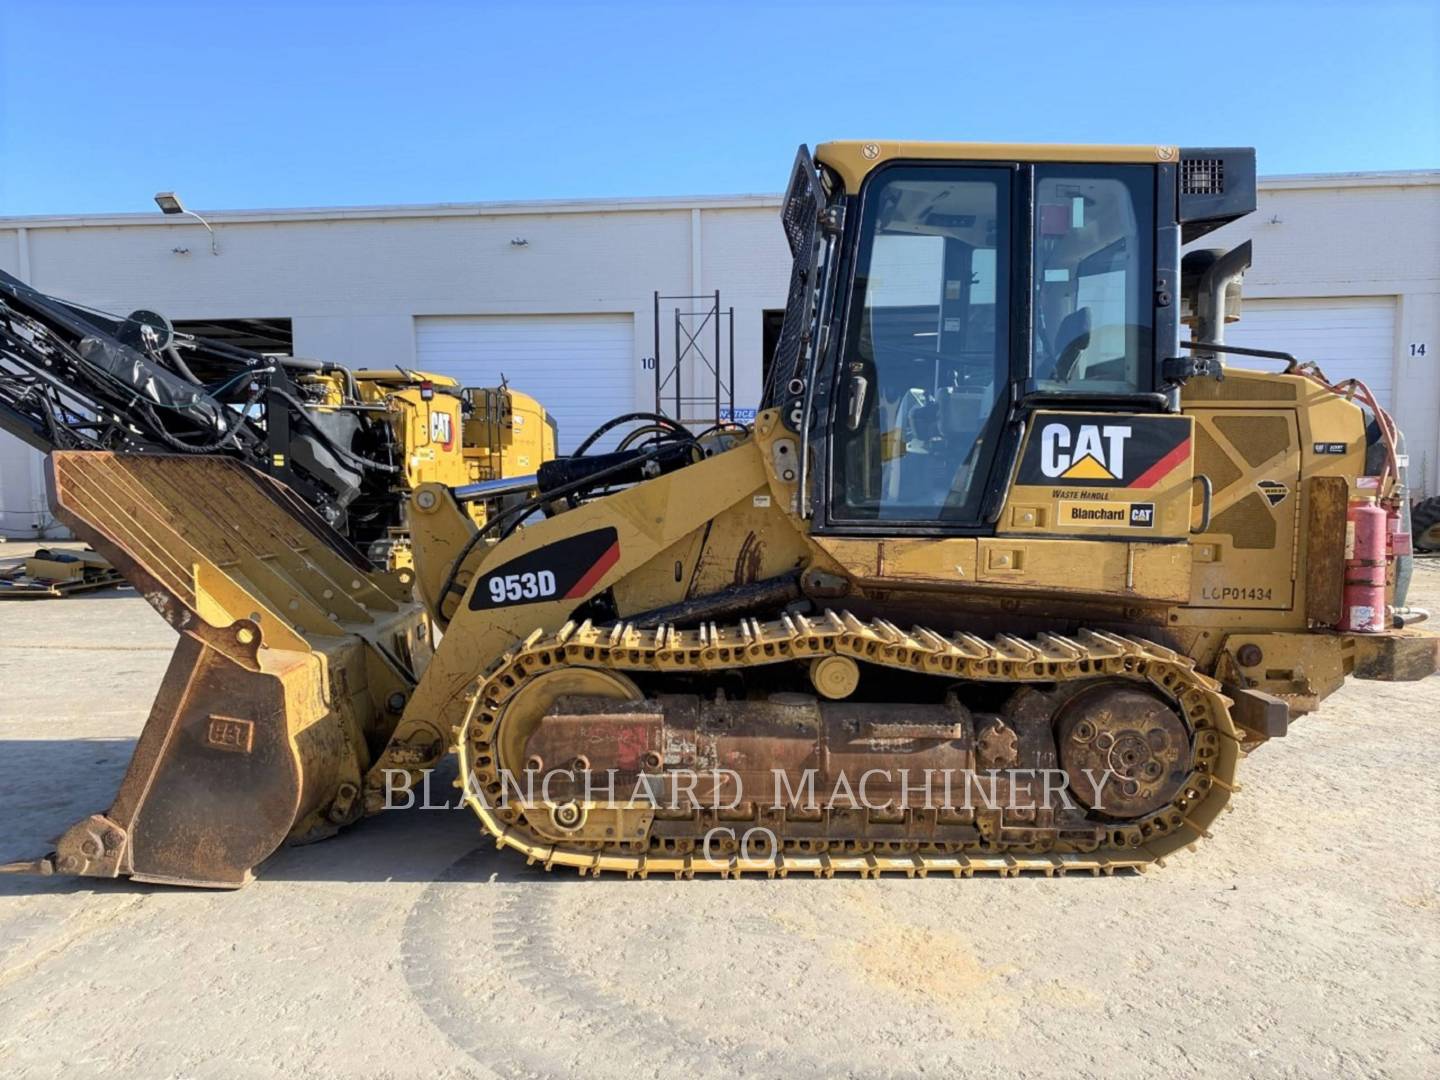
{"x": 1366, "y": 536}
{"x": 1401, "y": 542}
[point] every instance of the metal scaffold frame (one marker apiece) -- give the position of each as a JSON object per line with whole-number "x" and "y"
{"x": 689, "y": 353}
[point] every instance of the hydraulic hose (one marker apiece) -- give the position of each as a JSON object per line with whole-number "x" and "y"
{"x": 523, "y": 510}
{"x": 677, "y": 428}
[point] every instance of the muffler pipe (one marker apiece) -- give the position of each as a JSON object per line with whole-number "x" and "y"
{"x": 1218, "y": 276}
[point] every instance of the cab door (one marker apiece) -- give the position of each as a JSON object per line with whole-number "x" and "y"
{"x": 923, "y": 382}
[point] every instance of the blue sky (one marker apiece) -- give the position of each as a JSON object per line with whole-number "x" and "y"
{"x": 269, "y": 104}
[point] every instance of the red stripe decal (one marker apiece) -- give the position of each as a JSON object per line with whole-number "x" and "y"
{"x": 596, "y": 572}
{"x": 1151, "y": 476}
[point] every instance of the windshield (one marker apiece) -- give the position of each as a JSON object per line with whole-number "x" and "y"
{"x": 927, "y": 346}
{"x": 1094, "y": 275}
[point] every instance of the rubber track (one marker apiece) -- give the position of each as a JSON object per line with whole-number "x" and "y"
{"x": 1048, "y": 658}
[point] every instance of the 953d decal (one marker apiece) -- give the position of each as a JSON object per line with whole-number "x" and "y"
{"x": 1099, "y": 450}
{"x": 567, "y": 569}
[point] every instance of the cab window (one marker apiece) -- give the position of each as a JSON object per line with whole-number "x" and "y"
{"x": 1093, "y": 279}
{"x": 927, "y": 346}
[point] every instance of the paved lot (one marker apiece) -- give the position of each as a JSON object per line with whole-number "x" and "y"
{"x": 1303, "y": 940}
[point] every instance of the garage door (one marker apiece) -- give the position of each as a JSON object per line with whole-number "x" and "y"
{"x": 580, "y": 367}
{"x": 1348, "y": 338}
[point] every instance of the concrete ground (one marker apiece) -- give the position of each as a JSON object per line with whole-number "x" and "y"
{"x": 1304, "y": 940}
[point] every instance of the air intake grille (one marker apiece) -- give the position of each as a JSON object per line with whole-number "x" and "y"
{"x": 1202, "y": 176}
{"x": 1239, "y": 388}
{"x": 1250, "y": 523}
{"x": 1258, "y": 438}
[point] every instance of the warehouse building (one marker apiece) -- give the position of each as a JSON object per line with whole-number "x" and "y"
{"x": 560, "y": 298}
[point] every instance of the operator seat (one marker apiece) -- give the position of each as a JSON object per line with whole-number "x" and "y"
{"x": 1071, "y": 339}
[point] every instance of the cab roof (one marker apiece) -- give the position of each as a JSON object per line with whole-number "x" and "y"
{"x": 853, "y": 159}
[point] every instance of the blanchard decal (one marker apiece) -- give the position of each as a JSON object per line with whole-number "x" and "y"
{"x": 1100, "y": 451}
{"x": 567, "y": 569}
{"x": 1107, "y": 515}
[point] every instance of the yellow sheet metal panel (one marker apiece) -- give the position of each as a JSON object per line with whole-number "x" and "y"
{"x": 858, "y": 558}
{"x": 928, "y": 559}
{"x": 925, "y": 560}
{"x": 406, "y": 377}
{"x": 1142, "y": 571}
{"x": 854, "y": 159}
{"x": 507, "y": 434}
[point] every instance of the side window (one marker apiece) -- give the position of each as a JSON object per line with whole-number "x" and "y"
{"x": 926, "y": 354}
{"x": 1094, "y": 278}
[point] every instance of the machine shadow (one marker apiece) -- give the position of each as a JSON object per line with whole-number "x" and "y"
{"x": 415, "y": 844}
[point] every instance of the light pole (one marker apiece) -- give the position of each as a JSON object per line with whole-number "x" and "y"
{"x": 170, "y": 203}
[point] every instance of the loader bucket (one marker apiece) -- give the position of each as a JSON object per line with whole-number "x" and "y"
{"x": 294, "y": 663}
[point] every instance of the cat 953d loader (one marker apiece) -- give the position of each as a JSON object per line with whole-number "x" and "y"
{"x": 1009, "y": 574}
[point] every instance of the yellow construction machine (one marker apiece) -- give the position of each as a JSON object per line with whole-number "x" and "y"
{"x": 1009, "y": 574}
{"x": 441, "y": 433}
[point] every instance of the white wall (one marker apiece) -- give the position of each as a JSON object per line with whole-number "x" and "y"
{"x": 353, "y": 281}
{"x": 353, "y": 286}
{"x": 23, "y": 509}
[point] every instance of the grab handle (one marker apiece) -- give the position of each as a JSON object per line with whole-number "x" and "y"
{"x": 1208, "y": 490}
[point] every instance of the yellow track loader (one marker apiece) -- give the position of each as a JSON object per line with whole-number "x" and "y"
{"x": 1009, "y": 574}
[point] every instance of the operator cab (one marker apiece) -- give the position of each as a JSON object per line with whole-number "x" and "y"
{"x": 949, "y": 290}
